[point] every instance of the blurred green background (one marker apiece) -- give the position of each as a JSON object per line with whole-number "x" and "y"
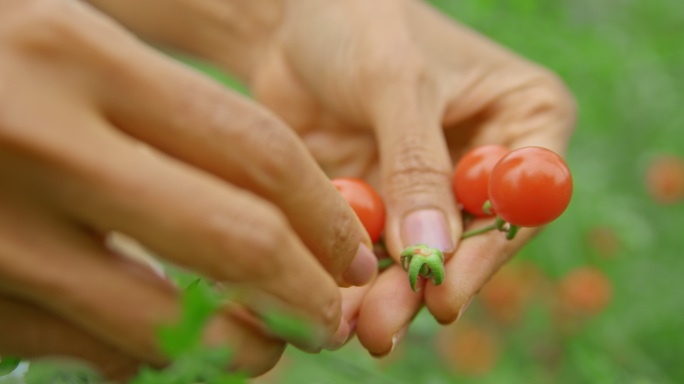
{"x": 624, "y": 61}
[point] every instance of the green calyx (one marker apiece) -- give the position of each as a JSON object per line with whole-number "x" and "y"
{"x": 422, "y": 261}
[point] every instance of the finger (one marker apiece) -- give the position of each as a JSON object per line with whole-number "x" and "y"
{"x": 352, "y": 298}
{"x": 193, "y": 119}
{"x": 68, "y": 273}
{"x": 30, "y": 332}
{"x": 387, "y": 311}
{"x": 475, "y": 261}
{"x": 198, "y": 222}
{"x": 415, "y": 169}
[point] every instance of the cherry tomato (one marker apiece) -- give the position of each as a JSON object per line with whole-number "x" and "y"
{"x": 471, "y": 177}
{"x": 365, "y": 202}
{"x": 530, "y": 186}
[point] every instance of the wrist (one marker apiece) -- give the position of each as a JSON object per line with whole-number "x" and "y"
{"x": 233, "y": 34}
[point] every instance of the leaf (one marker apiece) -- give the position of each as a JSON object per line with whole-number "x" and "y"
{"x": 199, "y": 304}
{"x": 8, "y": 365}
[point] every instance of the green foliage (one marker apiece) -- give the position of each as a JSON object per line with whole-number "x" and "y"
{"x": 199, "y": 304}
{"x": 8, "y": 365}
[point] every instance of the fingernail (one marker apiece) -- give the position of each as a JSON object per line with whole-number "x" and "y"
{"x": 397, "y": 338}
{"x": 429, "y": 227}
{"x": 464, "y": 307}
{"x": 363, "y": 268}
{"x": 340, "y": 337}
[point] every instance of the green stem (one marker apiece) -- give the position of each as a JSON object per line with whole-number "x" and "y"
{"x": 478, "y": 231}
{"x": 512, "y": 231}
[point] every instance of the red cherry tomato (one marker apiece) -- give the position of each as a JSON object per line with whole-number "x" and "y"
{"x": 530, "y": 186}
{"x": 365, "y": 202}
{"x": 471, "y": 177}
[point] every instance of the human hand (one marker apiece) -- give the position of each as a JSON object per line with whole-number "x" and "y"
{"x": 98, "y": 133}
{"x": 394, "y": 92}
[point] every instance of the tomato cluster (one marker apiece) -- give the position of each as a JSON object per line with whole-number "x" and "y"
{"x": 526, "y": 187}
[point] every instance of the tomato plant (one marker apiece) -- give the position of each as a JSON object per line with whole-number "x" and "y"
{"x": 366, "y": 203}
{"x": 470, "y": 181}
{"x": 530, "y": 186}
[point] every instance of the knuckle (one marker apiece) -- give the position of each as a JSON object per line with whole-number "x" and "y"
{"x": 267, "y": 149}
{"x": 330, "y": 310}
{"x": 541, "y": 105}
{"x": 415, "y": 169}
{"x": 343, "y": 241}
{"x": 278, "y": 150}
{"x": 253, "y": 238}
{"x": 391, "y": 64}
{"x": 557, "y": 95}
{"x": 39, "y": 24}
{"x": 327, "y": 316}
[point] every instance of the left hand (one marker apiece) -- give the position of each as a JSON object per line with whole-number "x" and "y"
{"x": 394, "y": 92}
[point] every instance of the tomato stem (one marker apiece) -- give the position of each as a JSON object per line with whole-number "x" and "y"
{"x": 423, "y": 261}
{"x": 512, "y": 231}
{"x": 478, "y": 231}
{"x": 500, "y": 225}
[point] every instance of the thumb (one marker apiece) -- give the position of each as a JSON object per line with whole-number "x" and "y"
{"x": 416, "y": 171}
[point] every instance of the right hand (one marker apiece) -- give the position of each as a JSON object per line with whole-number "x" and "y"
{"x": 98, "y": 133}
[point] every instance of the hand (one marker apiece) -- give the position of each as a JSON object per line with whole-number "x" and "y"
{"x": 394, "y": 92}
{"x": 98, "y": 133}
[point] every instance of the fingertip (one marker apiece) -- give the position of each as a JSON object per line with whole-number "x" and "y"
{"x": 442, "y": 304}
{"x": 388, "y": 308}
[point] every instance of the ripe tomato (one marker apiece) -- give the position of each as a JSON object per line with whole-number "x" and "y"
{"x": 530, "y": 186}
{"x": 365, "y": 202}
{"x": 471, "y": 177}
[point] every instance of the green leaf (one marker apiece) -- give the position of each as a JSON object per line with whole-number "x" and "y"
{"x": 203, "y": 365}
{"x": 8, "y": 365}
{"x": 199, "y": 304}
